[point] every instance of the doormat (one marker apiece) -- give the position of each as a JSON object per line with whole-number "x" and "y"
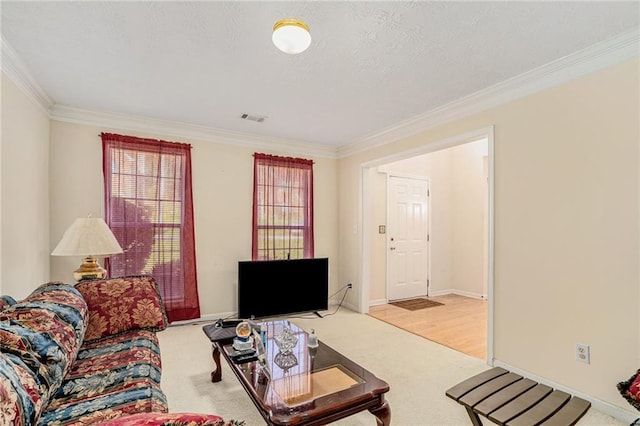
{"x": 415, "y": 304}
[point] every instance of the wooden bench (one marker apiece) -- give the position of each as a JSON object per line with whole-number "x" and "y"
{"x": 506, "y": 398}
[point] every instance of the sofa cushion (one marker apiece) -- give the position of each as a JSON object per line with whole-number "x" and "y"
{"x": 171, "y": 419}
{"x": 110, "y": 378}
{"x": 39, "y": 338}
{"x": 118, "y": 305}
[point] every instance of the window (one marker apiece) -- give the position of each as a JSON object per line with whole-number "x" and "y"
{"x": 282, "y": 208}
{"x": 148, "y": 206}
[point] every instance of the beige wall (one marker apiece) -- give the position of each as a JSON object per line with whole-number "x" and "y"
{"x": 222, "y": 193}
{"x": 378, "y": 273}
{"x": 468, "y": 222}
{"x": 566, "y": 201}
{"x": 24, "y": 177}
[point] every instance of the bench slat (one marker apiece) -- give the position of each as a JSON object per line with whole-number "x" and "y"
{"x": 543, "y": 410}
{"x": 504, "y": 396}
{"x": 520, "y": 404}
{"x": 485, "y": 390}
{"x": 473, "y": 382}
{"x": 570, "y": 413}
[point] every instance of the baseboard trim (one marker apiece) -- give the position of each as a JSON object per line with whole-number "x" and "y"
{"x": 378, "y": 302}
{"x": 459, "y": 293}
{"x": 615, "y": 411}
{"x": 214, "y": 317}
{"x": 334, "y": 304}
{"x": 204, "y": 318}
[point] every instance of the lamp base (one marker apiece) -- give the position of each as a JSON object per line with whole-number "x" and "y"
{"x": 89, "y": 270}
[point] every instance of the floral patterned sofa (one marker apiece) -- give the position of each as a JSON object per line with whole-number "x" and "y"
{"x": 86, "y": 354}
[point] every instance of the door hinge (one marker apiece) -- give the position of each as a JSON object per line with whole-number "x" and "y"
{"x": 428, "y": 236}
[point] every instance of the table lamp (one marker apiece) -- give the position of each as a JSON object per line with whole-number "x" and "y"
{"x": 89, "y": 237}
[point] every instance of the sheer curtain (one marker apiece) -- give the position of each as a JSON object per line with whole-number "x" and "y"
{"x": 149, "y": 208}
{"x": 282, "y": 208}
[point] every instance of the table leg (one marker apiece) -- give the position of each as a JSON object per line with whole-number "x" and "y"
{"x": 216, "y": 375}
{"x": 382, "y": 413}
{"x": 475, "y": 419}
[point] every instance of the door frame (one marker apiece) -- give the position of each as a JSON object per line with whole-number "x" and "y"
{"x": 428, "y": 226}
{"x": 366, "y": 221}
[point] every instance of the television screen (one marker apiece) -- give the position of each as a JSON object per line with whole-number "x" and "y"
{"x": 268, "y": 288}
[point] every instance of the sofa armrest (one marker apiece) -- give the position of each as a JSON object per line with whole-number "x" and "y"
{"x": 6, "y": 302}
{"x": 119, "y": 305}
{"x": 40, "y": 337}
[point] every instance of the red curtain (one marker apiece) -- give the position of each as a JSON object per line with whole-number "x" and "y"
{"x": 282, "y": 208}
{"x": 149, "y": 208}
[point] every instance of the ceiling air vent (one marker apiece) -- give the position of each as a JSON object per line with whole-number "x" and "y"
{"x": 253, "y": 117}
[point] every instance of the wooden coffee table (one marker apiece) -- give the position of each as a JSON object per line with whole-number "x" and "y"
{"x": 321, "y": 386}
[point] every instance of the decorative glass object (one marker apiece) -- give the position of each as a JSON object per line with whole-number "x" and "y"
{"x": 313, "y": 339}
{"x": 285, "y": 360}
{"x": 243, "y": 330}
{"x": 286, "y": 340}
{"x": 243, "y": 340}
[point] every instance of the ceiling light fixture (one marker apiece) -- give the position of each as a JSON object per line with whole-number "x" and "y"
{"x": 291, "y": 36}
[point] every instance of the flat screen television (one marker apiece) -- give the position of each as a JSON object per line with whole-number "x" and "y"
{"x": 268, "y": 288}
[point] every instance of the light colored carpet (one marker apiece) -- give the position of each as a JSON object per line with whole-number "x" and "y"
{"x": 418, "y": 371}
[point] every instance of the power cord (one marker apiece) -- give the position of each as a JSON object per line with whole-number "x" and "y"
{"x": 346, "y": 288}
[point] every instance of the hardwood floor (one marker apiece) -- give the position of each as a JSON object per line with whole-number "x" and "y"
{"x": 460, "y": 323}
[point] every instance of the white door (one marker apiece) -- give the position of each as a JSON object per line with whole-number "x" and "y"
{"x": 407, "y": 238}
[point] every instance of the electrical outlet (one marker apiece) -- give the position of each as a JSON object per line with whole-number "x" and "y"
{"x": 349, "y": 285}
{"x": 582, "y": 353}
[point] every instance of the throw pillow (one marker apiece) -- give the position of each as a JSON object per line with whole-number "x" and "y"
{"x": 117, "y": 305}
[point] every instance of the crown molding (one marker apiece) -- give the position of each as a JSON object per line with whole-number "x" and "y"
{"x": 179, "y": 130}
{"x": 594, "y": 58}
{"x": 19, "y": 73}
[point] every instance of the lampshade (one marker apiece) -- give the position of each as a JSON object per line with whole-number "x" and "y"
{"x": 291, "y": 36}
{"x": 88, "y": 237}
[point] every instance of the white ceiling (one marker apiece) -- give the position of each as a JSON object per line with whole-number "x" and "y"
{"x": 370, "y": 66}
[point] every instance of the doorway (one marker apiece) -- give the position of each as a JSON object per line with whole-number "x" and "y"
{"x": 407, "y": 237}
{"x": 371, "y": 273}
